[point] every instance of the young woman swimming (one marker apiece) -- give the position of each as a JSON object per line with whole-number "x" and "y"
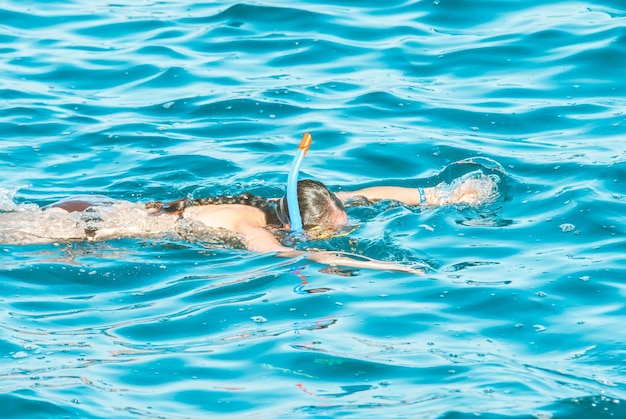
{"x": 246, "y": 221}
{"x": 250, "y": 218}
{"x": 249, "y": 221}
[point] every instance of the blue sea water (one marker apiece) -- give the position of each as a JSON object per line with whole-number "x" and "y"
{"x": 521, "y": 314}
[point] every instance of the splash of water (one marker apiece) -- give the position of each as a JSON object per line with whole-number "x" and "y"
{"x": 473, "y": 188}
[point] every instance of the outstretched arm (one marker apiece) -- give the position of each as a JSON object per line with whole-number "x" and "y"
{"x": 409, "y": 196}
{"x": 351, "y": 260}
{"x": 260, "y": 240}
{"x": 471, "y": 190}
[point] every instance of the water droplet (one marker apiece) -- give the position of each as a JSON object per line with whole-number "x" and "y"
{"x": 427, "y": 227}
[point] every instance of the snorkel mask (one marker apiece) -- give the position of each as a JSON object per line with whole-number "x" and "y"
{"x": 295, "y": 220}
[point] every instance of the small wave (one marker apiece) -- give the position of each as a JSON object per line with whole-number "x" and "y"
{"x": 8, "y": 204}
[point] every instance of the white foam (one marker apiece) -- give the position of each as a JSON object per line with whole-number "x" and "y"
{"x": 474, "y": 188}
{"x": 31, "y": 224}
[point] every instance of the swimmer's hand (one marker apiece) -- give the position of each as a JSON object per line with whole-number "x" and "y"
{"x": 473, "y": 189}
{"x": 351, "y": 260}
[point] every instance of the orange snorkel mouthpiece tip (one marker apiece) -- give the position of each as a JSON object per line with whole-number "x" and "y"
{"x": 305, "y": 143}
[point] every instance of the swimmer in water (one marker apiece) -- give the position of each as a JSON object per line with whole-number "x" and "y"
{"x": 252, "y": 220}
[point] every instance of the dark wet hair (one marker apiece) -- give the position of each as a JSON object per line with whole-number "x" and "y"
{"x": 316, "y": 203}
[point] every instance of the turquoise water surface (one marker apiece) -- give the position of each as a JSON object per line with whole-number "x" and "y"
{"x": 521, "y": 312}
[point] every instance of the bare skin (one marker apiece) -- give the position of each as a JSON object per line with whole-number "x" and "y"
{"x": 250, "y": 225}
{"x": 248, "y": 222}
{"x": 466, "y": 193}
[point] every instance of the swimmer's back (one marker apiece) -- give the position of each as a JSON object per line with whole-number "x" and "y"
{"x": 81, "y": 203}
{"x": 228, "y": 216}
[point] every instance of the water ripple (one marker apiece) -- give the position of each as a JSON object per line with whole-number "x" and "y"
{"x": 520, "y": 311}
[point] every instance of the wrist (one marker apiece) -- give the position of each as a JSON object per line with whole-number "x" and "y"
{"x": 421, "y": 196}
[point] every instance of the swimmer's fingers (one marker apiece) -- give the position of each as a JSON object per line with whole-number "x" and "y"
{"x": 409, "y": 269}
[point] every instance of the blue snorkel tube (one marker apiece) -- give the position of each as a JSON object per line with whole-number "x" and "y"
{"x": 295, "y": 220}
